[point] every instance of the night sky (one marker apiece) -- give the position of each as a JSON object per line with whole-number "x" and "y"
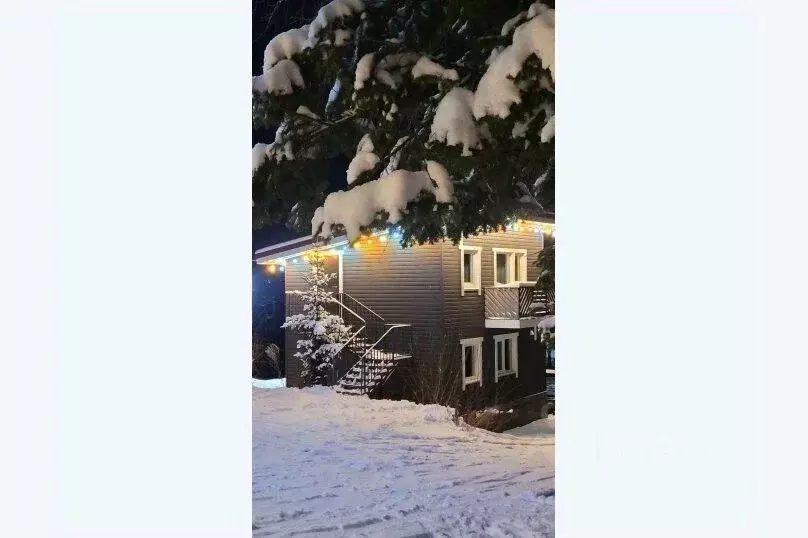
{"x": 271, "y": 17}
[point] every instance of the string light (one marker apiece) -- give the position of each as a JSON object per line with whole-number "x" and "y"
{"x": 271, "y": 269}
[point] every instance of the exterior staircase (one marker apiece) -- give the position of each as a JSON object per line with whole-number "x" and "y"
{"x": 374, "y": 350}
{"x": 376, "y": 364}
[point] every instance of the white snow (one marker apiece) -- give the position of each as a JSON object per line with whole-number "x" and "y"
{"x": 278, "y": 150}
{"x": 387, "y": 72}
{"x": 336, "y": 9}
{"x": 426, "y": 67}
{"x": 306, "y": 111}
{"x": 395, "y": 157}
{"x": 359, "y": 206}
{"x": 364, "y": 159}
{"x": 280, "y": 79}
{"x": 326, "y": 464}
{"x": 454, "y": 122}
{"x": 364, "y": 67}
{"x": 547, "y": 322}
{"x": 285, "y": 45}
{"x": 548, "y": 131}
{"x": 341, "y": 37}
{"x": 391, "y": 113}
{"x": 269, "y": 383}
{"x": 497, "y": 91}
{"x": 493, "y": 56}
{"x": 510, "y": 23}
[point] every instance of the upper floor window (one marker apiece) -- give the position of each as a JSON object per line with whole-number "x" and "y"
{"x": 470, "y": 269}
{"x": 510, "y": 266}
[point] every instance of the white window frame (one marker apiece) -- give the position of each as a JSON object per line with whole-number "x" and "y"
{"x": 477, "y": 346}
{"x": 514, "y": 338}
{"x": 476, "y": 270}
{"x": 519, "y": 273}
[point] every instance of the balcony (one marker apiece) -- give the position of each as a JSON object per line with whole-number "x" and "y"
{"x": 514, "y": 307}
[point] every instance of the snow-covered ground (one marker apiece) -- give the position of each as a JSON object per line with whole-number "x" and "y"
{"x": 326, "y": 464}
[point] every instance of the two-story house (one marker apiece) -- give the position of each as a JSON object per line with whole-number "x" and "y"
{"x": 439, "y": 322}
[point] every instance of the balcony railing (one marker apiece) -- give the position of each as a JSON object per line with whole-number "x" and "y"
{"x": 513, "y": 302}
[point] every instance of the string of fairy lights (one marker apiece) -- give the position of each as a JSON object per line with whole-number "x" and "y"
{"x": 369, "y": 241}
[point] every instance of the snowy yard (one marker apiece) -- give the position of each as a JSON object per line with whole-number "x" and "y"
{"x": 326, "y": 464}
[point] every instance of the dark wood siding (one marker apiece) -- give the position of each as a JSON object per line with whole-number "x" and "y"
{"x": 421, "y": 286}
{"x": 402, "y": 286}
{"x": 531, "y": 380}
{"x": 466, "y": 313}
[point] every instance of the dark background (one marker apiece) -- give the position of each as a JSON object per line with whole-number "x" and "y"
{"x": 271, "y": 17}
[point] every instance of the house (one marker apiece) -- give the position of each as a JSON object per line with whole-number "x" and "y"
{"x": 454, "y": 324}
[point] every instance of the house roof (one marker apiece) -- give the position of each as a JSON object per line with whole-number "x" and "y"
{"x": 302, "y": 244}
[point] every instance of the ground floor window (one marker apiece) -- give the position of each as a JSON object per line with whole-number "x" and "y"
{"x": 506, "y": 358}
{"x": 472, "y": 357}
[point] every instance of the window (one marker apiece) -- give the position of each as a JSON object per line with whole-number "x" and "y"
{"x": 506, "y": 357}
{"x": 510, "y": 266}
{"x": 472, "y": 356}
{"x": 470, "y": 269}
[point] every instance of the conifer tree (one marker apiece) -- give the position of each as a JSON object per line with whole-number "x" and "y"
{"x": 320, "y": 334}
{"x": 444, "y": 108}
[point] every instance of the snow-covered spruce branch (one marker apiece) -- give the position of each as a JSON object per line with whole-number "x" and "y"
{"x": 484, "y": 117}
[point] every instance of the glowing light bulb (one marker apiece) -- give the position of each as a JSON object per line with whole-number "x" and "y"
{"x": 272, "y": 269}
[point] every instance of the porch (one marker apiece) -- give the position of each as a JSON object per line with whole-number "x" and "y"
{"x": 515, "y": 306}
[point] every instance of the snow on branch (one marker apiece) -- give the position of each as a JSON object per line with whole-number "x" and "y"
{"x": 454, "y": 123}
{"x": 497, "y": 90}
{"x": 336, "y": 9}
{"x": 359, "y": 206}
{"x": 285, "y": 45}
{"x": 280, "y": 79}
{"x": 426, "y": 67}
{"x": 364, "y": 159}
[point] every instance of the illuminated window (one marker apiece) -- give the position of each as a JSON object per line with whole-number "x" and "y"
{"x": 470, "y": 269}
{"x": 510, "y": 266}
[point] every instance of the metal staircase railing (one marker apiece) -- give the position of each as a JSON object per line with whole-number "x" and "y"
{"x": 379, "y": 361}
{"x": 370, "y": 353}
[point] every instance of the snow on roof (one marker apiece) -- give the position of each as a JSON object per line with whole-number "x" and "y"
{"x": 546, "y": 323}
{"x": 285, "y": 45}
{"x": 359, "y": 206}
{"x": 279, "y": 79}
{"x": 336, "y": 9}
{"x": 496, "y": 91}
{"x": 426, "y": 67}
{"x": 454, "y": 122}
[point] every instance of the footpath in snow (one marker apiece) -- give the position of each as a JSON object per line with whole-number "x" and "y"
{"x": 326, "y": 464}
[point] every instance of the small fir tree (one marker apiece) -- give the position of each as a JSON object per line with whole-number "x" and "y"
{"x": 320, "y": 334}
